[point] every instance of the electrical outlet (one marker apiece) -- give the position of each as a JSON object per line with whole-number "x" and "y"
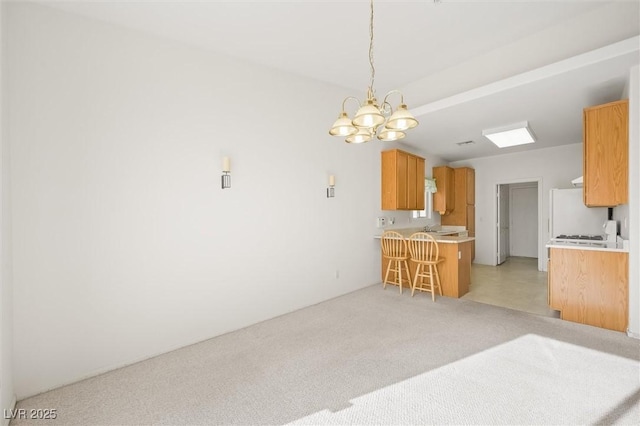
{"x": 382, "y": 222}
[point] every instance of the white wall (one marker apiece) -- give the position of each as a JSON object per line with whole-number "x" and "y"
{"x": 7, "y": 398}
{"x": 124, "y": 244}
{"x": 523, "y": 220}
{"x": 556, "y": 167}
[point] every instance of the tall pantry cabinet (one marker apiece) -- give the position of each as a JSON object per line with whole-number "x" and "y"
{"x": 464, "y": 212}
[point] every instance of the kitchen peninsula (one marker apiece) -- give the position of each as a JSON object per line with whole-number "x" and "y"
{"x": 455, "y": 248}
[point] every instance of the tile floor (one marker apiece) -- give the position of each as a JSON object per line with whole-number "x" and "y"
{"x": 516, "y": 284}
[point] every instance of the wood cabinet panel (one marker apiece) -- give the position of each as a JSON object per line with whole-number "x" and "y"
{"x": 389, "y": 173}
{"x": 444, "y": 197}
{"x": 471, "y": 186}
{"x": 463, "y": 213}
{"x": 606, "y": 154}
{"x": 402, "y": 183}
{"x": 412, "y": 185}
{"x": 590, "y": 287}
{"x": 420, "y": 172}
{"x": 471, "y": 218}
{"x": 549, "y": 273}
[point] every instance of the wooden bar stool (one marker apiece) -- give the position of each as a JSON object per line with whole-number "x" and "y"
{"x": 424, "y": 251}
{"x": 394, "y": 248}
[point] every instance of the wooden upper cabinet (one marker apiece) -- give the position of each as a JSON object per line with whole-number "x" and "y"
{"x": 606, "y": 154}
{"x": 464, "y": 196}
{"x": 471, "y": 219}
{"x": 402, "y": 180}
{"x": 443, "y": 198}
{"x": 464, "y": 211}
{"x": 471, "y": 185}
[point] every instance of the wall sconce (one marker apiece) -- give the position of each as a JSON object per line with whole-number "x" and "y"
{"x": 226, "y": 169}
{"x": 330, "y": 190}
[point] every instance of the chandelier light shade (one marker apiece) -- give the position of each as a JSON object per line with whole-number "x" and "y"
{"x": 343, "y": 126}
{"x": 368, "y": 115}
{"x": 401, "y": 119}
{"x": 391, "y": 135}
{"x": 372, "y": 119}
{"x": 363, "y": 135}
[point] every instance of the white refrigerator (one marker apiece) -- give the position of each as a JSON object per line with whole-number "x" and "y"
{"x": 569, "y": 216}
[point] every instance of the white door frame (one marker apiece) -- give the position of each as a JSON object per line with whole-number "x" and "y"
{"x": 541, "y": 247}
{"x": 500, "y": 222}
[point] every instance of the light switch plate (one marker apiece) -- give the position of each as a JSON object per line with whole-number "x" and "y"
{"x": 382, "y": 221}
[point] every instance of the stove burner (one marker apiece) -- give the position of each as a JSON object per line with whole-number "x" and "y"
{"x": 580, "y": 237}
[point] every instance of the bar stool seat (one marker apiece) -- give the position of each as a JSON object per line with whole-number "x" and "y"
{"x": 424, "y": 252}
{"x": 394, "y": 248}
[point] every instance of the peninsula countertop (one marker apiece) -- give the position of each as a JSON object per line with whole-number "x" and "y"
{"x": 439, "y": 236}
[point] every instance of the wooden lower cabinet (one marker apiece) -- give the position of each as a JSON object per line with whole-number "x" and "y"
{"x": 590, "y": 287}
{"x": 455, "y": 271}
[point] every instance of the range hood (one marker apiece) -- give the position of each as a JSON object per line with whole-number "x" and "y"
{"x": 577, "y": 182}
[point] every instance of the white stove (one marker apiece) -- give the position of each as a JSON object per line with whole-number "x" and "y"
{"x": 580, "y": 239}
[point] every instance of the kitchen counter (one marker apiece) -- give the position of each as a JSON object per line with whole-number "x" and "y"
{"x": 455, "y": 271}
{"x": 445, "y": 237}
{"x": 589, "y": 245}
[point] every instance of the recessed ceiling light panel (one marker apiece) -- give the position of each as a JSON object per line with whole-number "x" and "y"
{"x": 512, "y": 135}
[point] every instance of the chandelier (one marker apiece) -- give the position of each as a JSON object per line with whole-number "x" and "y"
{"x": 372, "y": 119}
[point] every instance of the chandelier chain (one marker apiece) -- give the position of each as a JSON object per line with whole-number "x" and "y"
{"x": 371, "y": 93}
{"x": 370, "y": 117}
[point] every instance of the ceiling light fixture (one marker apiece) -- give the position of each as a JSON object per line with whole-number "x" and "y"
{"x": 512, "y": 135}
{"x": 372, "y": 119}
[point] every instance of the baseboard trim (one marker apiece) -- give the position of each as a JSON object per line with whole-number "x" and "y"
{"x": 632, "y": 334}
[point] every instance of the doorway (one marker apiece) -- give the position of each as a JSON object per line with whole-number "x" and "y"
{"x": 519, "y": 221}
{"x": 517, "y": 280}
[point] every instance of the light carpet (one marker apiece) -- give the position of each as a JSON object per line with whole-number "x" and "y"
{"x": 373, "y": 357}
{"x": 530, "y": 380}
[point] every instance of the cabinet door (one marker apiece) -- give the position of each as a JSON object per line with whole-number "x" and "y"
{"x": 450, "y": 195}
{"x": 420, "y": 165}
{"x": 606, "y": 154}
{"x": 471, "y": 227}
{"x": 443, "y": 201}
{"x": 402, "y": 189}
{"x": 388, "y": 181}
{"x": 549, "y": 282}
{"x": 412, "y": 185}
{"x": 471, "y": 219}
{"x": 590, "y": 287}
{"x": 471, "y": 186}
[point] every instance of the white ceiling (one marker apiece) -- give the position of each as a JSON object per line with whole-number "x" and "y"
{"x": 432, "y": 50}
